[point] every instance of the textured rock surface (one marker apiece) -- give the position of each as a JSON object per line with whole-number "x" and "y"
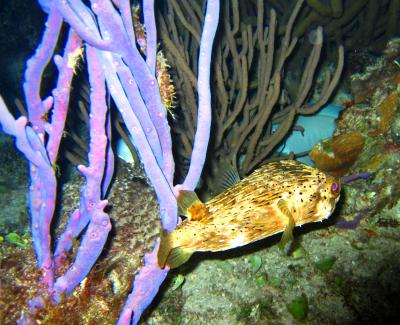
{"x": 13, "y": 188}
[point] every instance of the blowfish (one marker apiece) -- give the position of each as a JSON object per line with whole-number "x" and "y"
{"x": 274, "y": 198}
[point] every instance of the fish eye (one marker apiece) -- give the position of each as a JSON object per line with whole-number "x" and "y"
{"x": 335, "y": 187}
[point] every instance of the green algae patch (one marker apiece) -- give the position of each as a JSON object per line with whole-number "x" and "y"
{"x": 177, "y": 281}
{"x": 299, "y": 253}
{"x": 261, "y": 280}
{"x": 15, "y": 239}
{"x": 325, "y": 264}
{"x": 256, "y": 262}
{"x": 224, "y": 265}
{"x": 274, "y": 281}
{"x": 298, "y": 307}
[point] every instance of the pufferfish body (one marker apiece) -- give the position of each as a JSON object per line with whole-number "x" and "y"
{"x": 274, "y": 198}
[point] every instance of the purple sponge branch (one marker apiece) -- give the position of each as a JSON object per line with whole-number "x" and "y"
{"x": 92, "y": 205}
{"x": 74, "y": 227}
{"x": 151, "y": 35}
{"x": 42, "y": 204}
{"x": 145, "y": 288}
{"x": 114, "y": 60}
{"x": 27, "y": 140}
{"x": 42, "y": 190}
{"x": 115, "y": 38}
{"x": 34, "y": 71}
{"x": 151, "y": 276}
{"x": 163, "y": 189}
{"x": 202, "y": 135}
{"x": 109, "y": 171}
{"x": 42, "y": 195}
{"x": 83, "y": 23}
{"x": 65, "y": 67}
{"x": 138, "y": 106}
{"x": 111, "y": 25}
{"x": 143, "y": 292}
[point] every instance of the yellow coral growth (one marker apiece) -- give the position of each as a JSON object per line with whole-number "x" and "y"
{"x": 167, "y": 89}
{"x": 74, "y": 58}
{"x": 335, "y": 156}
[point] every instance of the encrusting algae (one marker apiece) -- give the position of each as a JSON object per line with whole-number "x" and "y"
{"x": 276, "y": 197}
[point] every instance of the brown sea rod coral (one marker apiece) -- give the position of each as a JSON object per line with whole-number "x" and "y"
{"x": 249, "y": 95}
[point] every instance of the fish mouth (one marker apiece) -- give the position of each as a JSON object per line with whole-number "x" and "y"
{"x": 334, "y": 201}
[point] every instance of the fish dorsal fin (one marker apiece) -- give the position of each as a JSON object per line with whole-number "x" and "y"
{"x": 229, "y": 177}
{"x": 186, "y": 199}
{"x": 190, "y": 206}
{"x": 288, "y": 233}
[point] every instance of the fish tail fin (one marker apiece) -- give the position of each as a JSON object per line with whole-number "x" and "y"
{"x": 171, "y": 256}
{"x": 287, "y": 235}
{"x": 178, "y": 256}
{"x": 164, "y": 249}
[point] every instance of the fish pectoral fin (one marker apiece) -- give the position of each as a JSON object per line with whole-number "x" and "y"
{"x": 178, "y": 256}
{"x": 288, "y": 233}
{"x": 171, "y": 256}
